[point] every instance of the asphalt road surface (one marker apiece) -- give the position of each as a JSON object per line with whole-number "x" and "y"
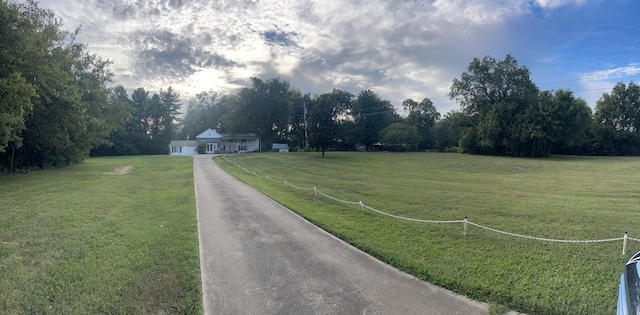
{"x": 257, "y": 257}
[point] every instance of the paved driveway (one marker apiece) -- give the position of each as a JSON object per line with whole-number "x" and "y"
{"x": 257, "y": 257}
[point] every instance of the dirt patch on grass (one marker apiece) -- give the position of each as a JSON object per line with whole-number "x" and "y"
{"x": 121, "y": 170}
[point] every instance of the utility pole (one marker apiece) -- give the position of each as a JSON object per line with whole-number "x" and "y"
{"x": 306, "y": 137}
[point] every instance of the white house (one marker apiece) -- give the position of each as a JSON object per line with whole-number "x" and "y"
{"x": 183, "y": 147}
{"x": 215, "y": 142}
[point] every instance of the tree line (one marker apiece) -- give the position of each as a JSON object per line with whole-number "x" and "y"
{"x": 505, "y": 113}
{"x": 502, "y": 113}
{"x": 278, "y": 113}
{"x": 274, "y": 111}
{"x": 56, "y": 108}
{"x": 54, "y": 104}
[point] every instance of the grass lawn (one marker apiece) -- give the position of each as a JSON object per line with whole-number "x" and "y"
{"x": 79, "y": 241}
{"x": 578, "y": 198}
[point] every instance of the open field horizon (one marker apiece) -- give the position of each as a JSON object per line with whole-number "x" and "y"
{"x": 562, "y": 197}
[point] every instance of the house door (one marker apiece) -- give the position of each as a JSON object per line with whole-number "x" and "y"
{"x": 212, "y": 147}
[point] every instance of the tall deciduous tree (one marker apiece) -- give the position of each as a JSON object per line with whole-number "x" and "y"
{"x": 204, "y": 111}
{"x": 263, "y": 109}
{"x": 122, "y": 140}
{"x": 449, "y": 130}
{"x": 616, "y": 129}
{"x": 324, "y": 118}
{"x": 15, "y": 104}
{"x": 568, "y": 119}
{"x": 400, "y": 137}
{"x": 423, "y": 116}
{"x": 371, "y": 115}
{"x": 72, "y": 112}
{"x": 501, "y": 100}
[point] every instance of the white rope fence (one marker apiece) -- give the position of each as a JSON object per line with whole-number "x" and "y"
{"x": 465, "y": 222}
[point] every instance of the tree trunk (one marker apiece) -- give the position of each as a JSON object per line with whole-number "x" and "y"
{"x": 323, "y": 152}
{"x": 13, "y": 153}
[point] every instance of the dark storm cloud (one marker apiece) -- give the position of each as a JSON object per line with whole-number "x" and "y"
{"x": 164, "y": 53}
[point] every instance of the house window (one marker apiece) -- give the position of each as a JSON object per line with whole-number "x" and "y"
{"x": 173, "y": 149}
{"x": 243, "y": 140}
{"x": 243, "y": 148}
{"x": 230, "y": 140}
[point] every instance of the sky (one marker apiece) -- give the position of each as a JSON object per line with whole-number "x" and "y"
{"x": 397, "y": 48}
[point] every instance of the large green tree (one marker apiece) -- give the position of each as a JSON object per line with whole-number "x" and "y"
{"x": 423, "y": 116}
{"x": 502, "y": 102}
{"x": 15, "y": 104}
{"x": 150, "y": 125}
{"x": 616, "y": 123}
{"x": 567, "y": 121}
{"x": 204, "y": 111}
{"x": 263, "y": 109}
{"x": 400, "y": 137}
{"x": 122, "y": 140}
{"x": 163, "y": 116}
{"x": 71, "y": 113}
{"x": 371, "y": 115}
{"x": 325, "y": 114}
{"x": 449, "y": 130}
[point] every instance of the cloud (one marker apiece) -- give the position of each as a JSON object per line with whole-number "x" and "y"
{"x": 620, "y": 72}
{"x": 591, "y": 91}
{"x": 166, "y": 53}
{"x": 552, "y": 4}
{"x": 593, "y": 84}
{"x": 400, "y": 49}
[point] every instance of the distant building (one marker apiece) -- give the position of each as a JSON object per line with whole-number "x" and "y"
{"x": 214, "y": 142}
{"x": 183, "y": 147}
{"x": 280, "y": 147}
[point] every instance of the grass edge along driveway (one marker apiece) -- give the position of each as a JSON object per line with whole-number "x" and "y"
{"x": 560, "y": 198}
{"x": 95, "y": 239}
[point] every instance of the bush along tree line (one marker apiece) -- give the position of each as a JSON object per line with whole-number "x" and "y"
{"x": 56, "y": 108}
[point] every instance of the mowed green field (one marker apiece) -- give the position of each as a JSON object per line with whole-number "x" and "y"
{"x": 78, "y": 241}
{"x": 574, "y": 198}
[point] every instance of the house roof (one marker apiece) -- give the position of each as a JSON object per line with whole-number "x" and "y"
{"x": 183, "y": 143}
{"x": 239, "y": 135}
{"x": 209, "y": 134}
